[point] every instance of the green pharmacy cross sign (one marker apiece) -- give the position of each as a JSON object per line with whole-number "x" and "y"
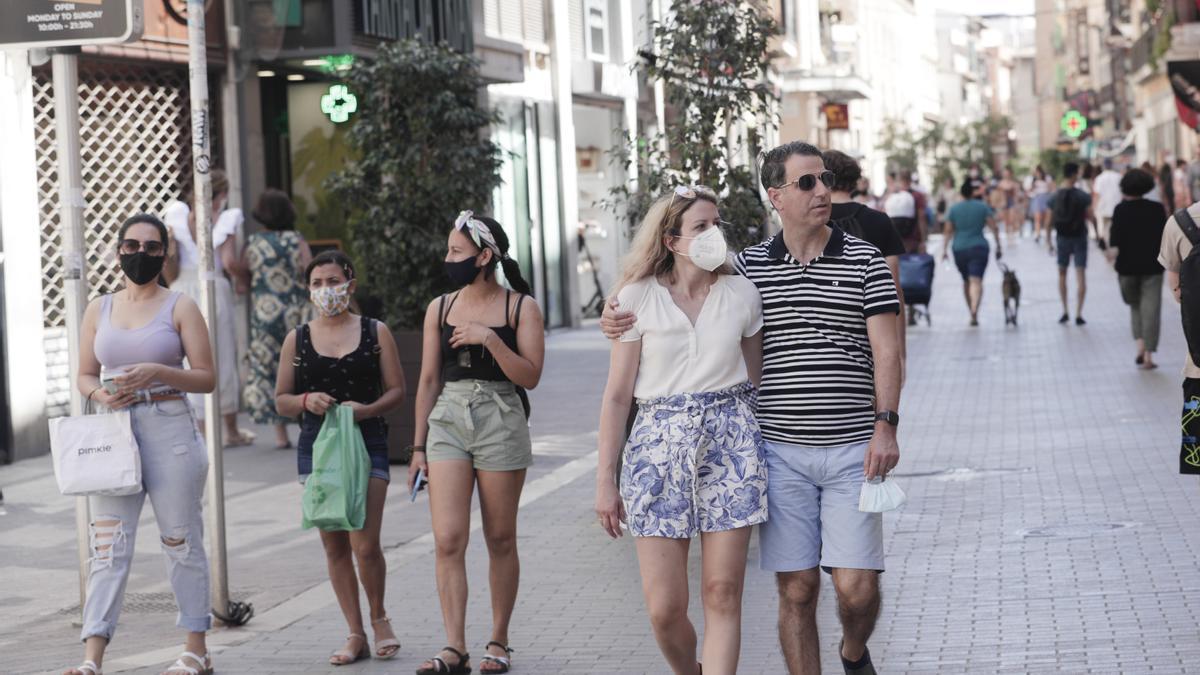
{"x": 339, "y": 103}
{"x": 1074, "y": 124}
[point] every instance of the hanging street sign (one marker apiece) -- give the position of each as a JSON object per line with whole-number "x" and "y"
{"x": 41, "y": 24}
{"x": 1074, "y": 124}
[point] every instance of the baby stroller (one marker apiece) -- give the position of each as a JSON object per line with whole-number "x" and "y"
{"x": 916, "y": 280}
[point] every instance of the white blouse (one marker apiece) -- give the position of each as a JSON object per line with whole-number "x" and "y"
{"x": 678, "y": 357}
{"x": 176, "y": 218}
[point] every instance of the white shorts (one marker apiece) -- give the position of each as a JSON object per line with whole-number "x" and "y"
{"x": 812, "y": 501}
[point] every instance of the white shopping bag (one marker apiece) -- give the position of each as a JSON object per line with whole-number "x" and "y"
{"x": 880, "y": 495}
{"x": 96, "y": 454}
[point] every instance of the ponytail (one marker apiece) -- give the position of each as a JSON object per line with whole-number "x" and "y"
{"x": 512, "y": 271}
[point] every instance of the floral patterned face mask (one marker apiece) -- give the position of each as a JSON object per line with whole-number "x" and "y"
{"x": 331, "y": 300}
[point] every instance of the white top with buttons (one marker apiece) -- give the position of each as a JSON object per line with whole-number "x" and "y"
{"x": 678, "y": 357}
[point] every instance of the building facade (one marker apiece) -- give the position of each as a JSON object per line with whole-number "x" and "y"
{"x": 862, "y": 64}
{"x": 559, "y": 72}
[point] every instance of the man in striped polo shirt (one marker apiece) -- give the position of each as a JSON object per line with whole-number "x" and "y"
{"x": 827, "y": 406}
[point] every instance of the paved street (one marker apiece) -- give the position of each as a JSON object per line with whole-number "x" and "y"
{"x": 1046, "y": 529}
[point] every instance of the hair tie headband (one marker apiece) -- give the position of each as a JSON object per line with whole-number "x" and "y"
{"x": 478, "y": 231}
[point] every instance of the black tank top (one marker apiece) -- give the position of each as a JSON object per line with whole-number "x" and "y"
{"x": 354, "y": 377}
{"x": 473, "y": 362}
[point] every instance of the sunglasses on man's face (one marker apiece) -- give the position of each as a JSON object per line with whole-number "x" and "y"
{"x": 809, "y": 181}
{"x": 131, "y": 246}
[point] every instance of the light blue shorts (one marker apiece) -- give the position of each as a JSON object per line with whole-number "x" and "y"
{"x": 813, "y": 505}
{"x": 694, "y": 463}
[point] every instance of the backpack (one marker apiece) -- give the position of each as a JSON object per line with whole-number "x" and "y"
{"x": 1189, "y": 284}
{"x": 1067, "y": 215}
{"x": 849, "y": 223}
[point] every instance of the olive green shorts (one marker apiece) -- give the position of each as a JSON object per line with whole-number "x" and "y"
{"x": 481, "y": 422}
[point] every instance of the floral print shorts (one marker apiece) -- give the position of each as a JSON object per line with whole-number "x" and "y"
{"x": 694, "y": 463}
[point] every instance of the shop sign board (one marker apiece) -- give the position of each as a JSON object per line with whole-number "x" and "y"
{"x": 41, "y": 24}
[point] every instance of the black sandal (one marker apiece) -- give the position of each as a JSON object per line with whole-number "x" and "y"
{"x": 503, "y": 661}
{"x": 440, "y": 667}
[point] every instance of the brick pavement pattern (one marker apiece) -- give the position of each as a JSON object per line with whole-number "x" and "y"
{"x": 1045, "y": 529}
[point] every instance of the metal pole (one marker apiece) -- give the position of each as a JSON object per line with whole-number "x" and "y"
{"x": 660, "y": 91}
{"x": 65, "y": 69}
{"x": 201, "y": 163}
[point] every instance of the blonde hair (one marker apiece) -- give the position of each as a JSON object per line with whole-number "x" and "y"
{"x": 648, "y": 255}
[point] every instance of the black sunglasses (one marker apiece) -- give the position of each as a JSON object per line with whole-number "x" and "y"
{"x": 131, "y": 246}
{"x": 809, "y": 181}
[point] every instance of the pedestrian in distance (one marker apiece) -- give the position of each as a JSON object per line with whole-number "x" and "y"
{"x": 1106, "y": 189}
{"x": 1166, "y": 184}
{"x": 1134, "y": 244}
{"x": 273, "y": 265}
{"x": 182, "y": 271}
{"x": 483, "y": 346}
{"x": 867, "y": 224}
{"x": 1039, "y": 199}
{"x": 1179, "y": 178}
{"x": 132, "y": 345}
{"x": 693, "y": 465}
{"x": 341, "y": 358}
{"x": 964, "y": 236}
{"x": 828, "y": 417}
{"x": 1012, "y": 212}
{"x": 1070, "y": 212}
{"x": 907, "y": 208}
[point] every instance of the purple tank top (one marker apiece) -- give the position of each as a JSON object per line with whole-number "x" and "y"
{"x": 156, "y": 342}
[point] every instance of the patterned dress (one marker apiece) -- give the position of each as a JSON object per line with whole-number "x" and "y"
{"x": 280, "y": 300}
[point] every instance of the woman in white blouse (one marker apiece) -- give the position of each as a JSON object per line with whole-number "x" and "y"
{"x": 183, "y": 272}
{"x": 693, "y": 463}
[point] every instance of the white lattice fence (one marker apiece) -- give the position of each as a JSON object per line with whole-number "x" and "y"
{"x": 136, "y": 154}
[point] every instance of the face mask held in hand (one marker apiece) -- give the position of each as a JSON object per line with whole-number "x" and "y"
{"x": 141, "y": 267}
{"x": 880, "y": 495}
{"x": 331, "y": 300}
{"x": 708, "y": 249}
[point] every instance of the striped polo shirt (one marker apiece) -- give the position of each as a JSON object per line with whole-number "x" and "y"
{"x": 818, "y": 383}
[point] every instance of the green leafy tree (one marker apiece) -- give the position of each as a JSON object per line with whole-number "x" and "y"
{"x": 712, "y": 58}
{"x": 421, "y": 158}
{"x": 899, "y": 146}
{"x": 974, "y": 141}
{"x": 1053, "y": 160}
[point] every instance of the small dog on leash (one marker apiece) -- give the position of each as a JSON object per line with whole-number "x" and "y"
{"x": 1011, "y": 289}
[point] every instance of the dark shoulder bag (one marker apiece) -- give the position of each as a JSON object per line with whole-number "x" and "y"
{"x": 1189, "y": 284}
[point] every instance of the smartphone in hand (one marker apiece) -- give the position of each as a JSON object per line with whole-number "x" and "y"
{"x": 418, "y": 485}
{"x": 110, "y": 385}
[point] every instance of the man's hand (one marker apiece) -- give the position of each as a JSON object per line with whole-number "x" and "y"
{"x": 615, "y": 321}
{"x": 883, "y": 454}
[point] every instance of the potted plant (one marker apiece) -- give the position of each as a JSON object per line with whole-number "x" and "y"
{"x": 421, "y": 156}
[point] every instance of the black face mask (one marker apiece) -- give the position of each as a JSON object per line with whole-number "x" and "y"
{"x": 462, "y": 272}
{"x": 141, "y": 267}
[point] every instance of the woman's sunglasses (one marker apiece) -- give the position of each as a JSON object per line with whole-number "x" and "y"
{"x": 809, "y": 181}
{"x": 131, "y": 246}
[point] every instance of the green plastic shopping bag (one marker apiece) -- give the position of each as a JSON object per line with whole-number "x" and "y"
{"x": 335, "y": 494}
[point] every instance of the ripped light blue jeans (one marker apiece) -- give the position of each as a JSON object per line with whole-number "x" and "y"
{"x": 174, "y": 469}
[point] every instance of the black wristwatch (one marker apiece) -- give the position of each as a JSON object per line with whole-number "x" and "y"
{"x": 888, "y": 416}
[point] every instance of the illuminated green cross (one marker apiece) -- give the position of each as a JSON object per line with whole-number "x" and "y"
{"x": 339, "y": 103}
{"x": 1074, "y": 124}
